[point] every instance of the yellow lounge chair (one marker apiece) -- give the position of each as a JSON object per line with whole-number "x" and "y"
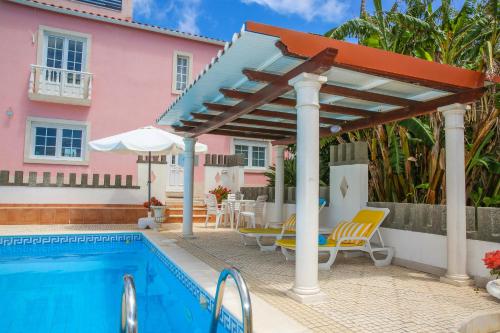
{"x": 352, "y": 235}
{"x": 288, "y": 229}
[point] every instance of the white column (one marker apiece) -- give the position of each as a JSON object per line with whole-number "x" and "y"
{"x": 306, "y": 288}
{"x": 187, "y": 214}
{"x": 455, "y": 196}
{"x": 279, "y": 183}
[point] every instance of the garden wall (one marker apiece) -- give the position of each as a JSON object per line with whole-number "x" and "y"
{"x": 417, "y": 232}
{"x": 63, "y": 199}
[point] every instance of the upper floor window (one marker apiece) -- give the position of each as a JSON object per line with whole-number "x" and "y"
{"x": 55, "y": 141}
{"x": 182, "y": 69}
{"x": 109, "y": 4}
{"x": 254, "y": 152}
{"x": 65, "y": 52}
{"x": 61, "y": 73}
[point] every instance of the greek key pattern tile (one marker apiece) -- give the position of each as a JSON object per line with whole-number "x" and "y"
{"x": 69, "y": 239}
{"x": 229, "y": 322}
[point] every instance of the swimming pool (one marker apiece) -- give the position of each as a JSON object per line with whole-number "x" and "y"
{"x": 73, "y": 283}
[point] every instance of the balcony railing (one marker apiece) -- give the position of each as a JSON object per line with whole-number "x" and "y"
{"x": 60, "y": 85}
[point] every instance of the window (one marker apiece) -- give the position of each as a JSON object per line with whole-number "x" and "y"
{"x": 65, "y": 52}
{"x": 254, "y": 152}
{"x": 71, "y": 142}
{"x": 45, "y": 141}
{"x": 182, "y": 72}
{"x": 182, "y": 69}
{"x": 55, "y": 140}
{"x": 242, "y": 150}
{"x": 109, "y": 4}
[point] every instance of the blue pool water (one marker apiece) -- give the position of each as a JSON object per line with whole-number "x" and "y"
{"x": 74, "y": 284}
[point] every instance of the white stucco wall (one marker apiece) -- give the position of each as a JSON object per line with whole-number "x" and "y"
{"x": 230, "y": 177}
{"x": 68, "y": 195}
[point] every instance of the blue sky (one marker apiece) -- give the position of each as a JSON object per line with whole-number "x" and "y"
{"x": 221, "y": 18}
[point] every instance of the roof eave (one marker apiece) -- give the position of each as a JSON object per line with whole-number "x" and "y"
{"x": 130, "y": 24}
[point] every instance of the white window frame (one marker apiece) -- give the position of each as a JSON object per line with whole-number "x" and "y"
{"x": 59, "y": 124}
{"x": 174, "y": 70}
{"x": 251, "y": 143}
{"x": 44, "y": 31}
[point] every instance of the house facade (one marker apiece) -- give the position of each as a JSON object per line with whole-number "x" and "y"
{"x": 80, "y": 70}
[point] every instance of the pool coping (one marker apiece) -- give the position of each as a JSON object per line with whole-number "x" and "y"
{"x": 266, "y": 318}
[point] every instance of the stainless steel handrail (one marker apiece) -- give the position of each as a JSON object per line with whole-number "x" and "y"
{"x": 129, "y": 306}
{"x": 246, "y": 304}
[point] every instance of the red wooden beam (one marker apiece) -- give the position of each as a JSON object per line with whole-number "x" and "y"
{"x": 263, "y": 113}
{"x": 318, "y": 64}
{"x": 257, "y": 130}
{"x": 401, "y": 114}
{"x": 252, "y": 135}
{"x": 338, "y": 90}
{"x": 337, "y": 109}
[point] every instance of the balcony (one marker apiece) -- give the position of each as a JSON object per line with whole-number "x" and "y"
{"x": 57, "y": 85}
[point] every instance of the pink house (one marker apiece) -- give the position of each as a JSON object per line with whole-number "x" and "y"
{"x": 79, "y": 70}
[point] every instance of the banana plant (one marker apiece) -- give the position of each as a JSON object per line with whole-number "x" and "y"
{"x": 412, "y": 151}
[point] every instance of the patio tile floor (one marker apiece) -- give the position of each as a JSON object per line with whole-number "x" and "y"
{"x": 363, "y": 298}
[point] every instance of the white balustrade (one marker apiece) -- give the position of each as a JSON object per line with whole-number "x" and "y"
{"x": 60, "y": 82}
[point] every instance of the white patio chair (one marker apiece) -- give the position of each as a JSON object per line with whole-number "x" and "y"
{"x": 255, "y": 211}
{"x": 213, "y": 208}
{"x": 234, "y": 209}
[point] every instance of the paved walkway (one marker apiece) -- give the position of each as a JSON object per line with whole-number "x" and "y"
{"x": 363, "y": 298}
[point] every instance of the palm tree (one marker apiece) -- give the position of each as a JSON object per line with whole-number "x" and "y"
{"x": 411, "y": 152}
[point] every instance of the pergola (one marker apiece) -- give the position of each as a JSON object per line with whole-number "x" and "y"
{"x": 288, "y": 86}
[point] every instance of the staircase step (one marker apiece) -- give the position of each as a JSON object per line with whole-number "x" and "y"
{"x": 196, "y": 219}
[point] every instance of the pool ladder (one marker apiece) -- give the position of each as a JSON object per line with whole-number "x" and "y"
{"x": 246, "y": 305}
{"x": 129, "y": 306}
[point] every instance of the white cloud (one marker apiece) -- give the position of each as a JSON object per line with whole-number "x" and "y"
{"x": 183, "y": 13}
{"x": 188, "y": 14}
{"x": 326, "y": 10}
{"x": 143, "y": 7}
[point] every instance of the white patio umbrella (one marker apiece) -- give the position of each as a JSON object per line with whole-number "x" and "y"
{"x": 143, "y": 140}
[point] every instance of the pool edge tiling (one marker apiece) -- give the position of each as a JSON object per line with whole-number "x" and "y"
{"x": 228, "y": 320}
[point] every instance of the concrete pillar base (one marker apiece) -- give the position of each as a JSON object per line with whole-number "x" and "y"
{"x": 318, "y": 297}
{"x": 458, "y": 281}
{"x": 192, "y": 236}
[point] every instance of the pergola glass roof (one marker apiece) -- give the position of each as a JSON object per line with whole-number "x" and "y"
{"x": 244, "y": 91}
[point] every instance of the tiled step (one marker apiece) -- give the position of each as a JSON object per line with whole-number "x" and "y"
{"x": 174, "y": 214}
{"x": 177, "y": 218}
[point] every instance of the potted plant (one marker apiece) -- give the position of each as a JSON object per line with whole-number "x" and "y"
{"x": 158, "y": 210}
{"x": 220, "y": 192}
{"x": 492, "y": 262}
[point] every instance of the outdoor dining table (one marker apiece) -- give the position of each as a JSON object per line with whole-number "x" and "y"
{"x": 227, "y": 209}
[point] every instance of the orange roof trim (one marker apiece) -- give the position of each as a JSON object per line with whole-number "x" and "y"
{"x": 375, "y": 61}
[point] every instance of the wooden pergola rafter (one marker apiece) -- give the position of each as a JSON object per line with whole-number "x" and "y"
{"x": 351, "y": 106}
{"x": 318, "y": 64}
{"x": 248, "y": 105}
{"x": 239, "y": 119}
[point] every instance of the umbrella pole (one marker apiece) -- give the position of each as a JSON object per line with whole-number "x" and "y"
{"x": 149, "y": 181}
